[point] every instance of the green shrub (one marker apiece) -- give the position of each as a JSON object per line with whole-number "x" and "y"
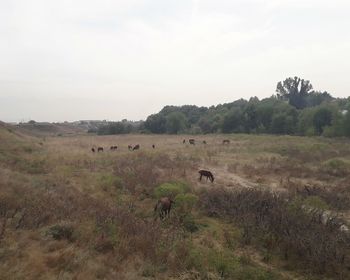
{"x": 185, "y": 202}
{"x": 171, "y": 189}
{"x": 106, "y": 181}
{"x": 336, "y": 167}
{"x": 189, "y": 223}
{"x": 222, "y": 262}
{"x": 61, "y": 231}
{"x": 316, "y": 202}
{"x": 195, "y": 260}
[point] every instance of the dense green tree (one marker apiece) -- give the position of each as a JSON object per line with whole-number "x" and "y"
{"x": 156, "y": 123}
{"x": 316, "y": 98}
{"x": 346, "y": 123}
{"x": 322, "y": 118}
{"x": 232, "y": 121}
{"x": 176, "y": 122}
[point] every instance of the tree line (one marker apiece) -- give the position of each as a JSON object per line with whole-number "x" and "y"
{"x": 295, "y": 109}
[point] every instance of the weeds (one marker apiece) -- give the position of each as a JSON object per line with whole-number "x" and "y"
{"x": 282, "y": 224}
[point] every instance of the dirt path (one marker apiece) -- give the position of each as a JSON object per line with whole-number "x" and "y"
{"x": 234, "y": 181}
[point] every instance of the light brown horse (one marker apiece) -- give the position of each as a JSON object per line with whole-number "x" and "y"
{"x": 163, "y": 207}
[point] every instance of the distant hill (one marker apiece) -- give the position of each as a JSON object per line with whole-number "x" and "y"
{"x": 51, "y": 129}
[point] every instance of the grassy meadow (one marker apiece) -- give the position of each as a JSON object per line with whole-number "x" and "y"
{"x": 278, "y": 209}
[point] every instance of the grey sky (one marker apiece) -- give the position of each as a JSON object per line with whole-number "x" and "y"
{"x": 109, "y": 59}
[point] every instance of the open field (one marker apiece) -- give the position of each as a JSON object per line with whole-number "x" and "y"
{"x": 278, "y": 209}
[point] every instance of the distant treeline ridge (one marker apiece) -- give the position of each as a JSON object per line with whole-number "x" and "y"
{"x": 295, "y": 109}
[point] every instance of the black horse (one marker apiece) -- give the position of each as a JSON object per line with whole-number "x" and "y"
{"x": 207, "y": 174}
{"x": 93, "y": 150}
{"x": 153, "y": 146}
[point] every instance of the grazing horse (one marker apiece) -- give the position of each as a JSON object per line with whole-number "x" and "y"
{"x": 99, "y": 149}
{"x": 226, "y": 141}
{"x": 163, "y": 207}
{"x": 153, "y": 146}
{"x": 136, "y": 147}
{"x": 207, "y": 174}
{"x": 191, "y": 141}
{"x": 114, "y": 148}
{"x": 129, "y": 147}
{"x": 93, "y": 150}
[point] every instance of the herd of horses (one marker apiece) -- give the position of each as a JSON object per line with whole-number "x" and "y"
{"x": 137, "y": 146}
{"x": 163, "y": 205}
{"x": 193, "y": 141}
{"x": 114, "y": 148}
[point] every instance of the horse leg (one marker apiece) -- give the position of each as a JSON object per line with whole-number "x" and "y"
{"x": 200, "y": 178}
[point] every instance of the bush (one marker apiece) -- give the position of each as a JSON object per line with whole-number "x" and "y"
{"x": 61, "y": 231}
{"x": 106, "y": 181}
{"x": 189, "y": 224}
{"x": 316, "y": 202}
{"x": 336, "y": 167}
{"x": 185, "y": 202}
{"x": 171, "y": 189}
{"x": 287, "y": 226}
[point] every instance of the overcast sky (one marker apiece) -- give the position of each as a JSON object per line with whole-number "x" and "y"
{"x": 112, "y": 59}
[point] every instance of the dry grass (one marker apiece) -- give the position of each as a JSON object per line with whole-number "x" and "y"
{"x": 68, "y": 213}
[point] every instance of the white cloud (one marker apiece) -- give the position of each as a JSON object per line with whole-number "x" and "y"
{"x": 145, "y": 54}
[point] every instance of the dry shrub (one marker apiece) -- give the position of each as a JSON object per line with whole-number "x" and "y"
{"x": 335, "y": 167}
{"x": 283, "y": 225}
{"x": 40, "y": 209}
{"x": 63, "y": 260}
{"x": 337, "y": 197}
{"x": 141, "y": 172}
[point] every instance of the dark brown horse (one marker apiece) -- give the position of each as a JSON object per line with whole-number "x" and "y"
{"x": 136, "y": 147}
{"x": 184, "y": 141}
{"x": 207, "y": 174}
{"x": 163, "y": 207}
{"x": 114, "y": 148}
{"x": 153, "y": 146}
{"x": 191, "y": 141}
{"x": 99, "y": 149}
{"x": 226, "y": 141}
{"x": 204, "y": 142}
{"x": 93, "y": 150}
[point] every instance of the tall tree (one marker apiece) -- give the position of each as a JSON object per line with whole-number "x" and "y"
{"x": 175, "y": 122}
{"x": 295, "y": 90}
{"x": 322, "y": 118}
